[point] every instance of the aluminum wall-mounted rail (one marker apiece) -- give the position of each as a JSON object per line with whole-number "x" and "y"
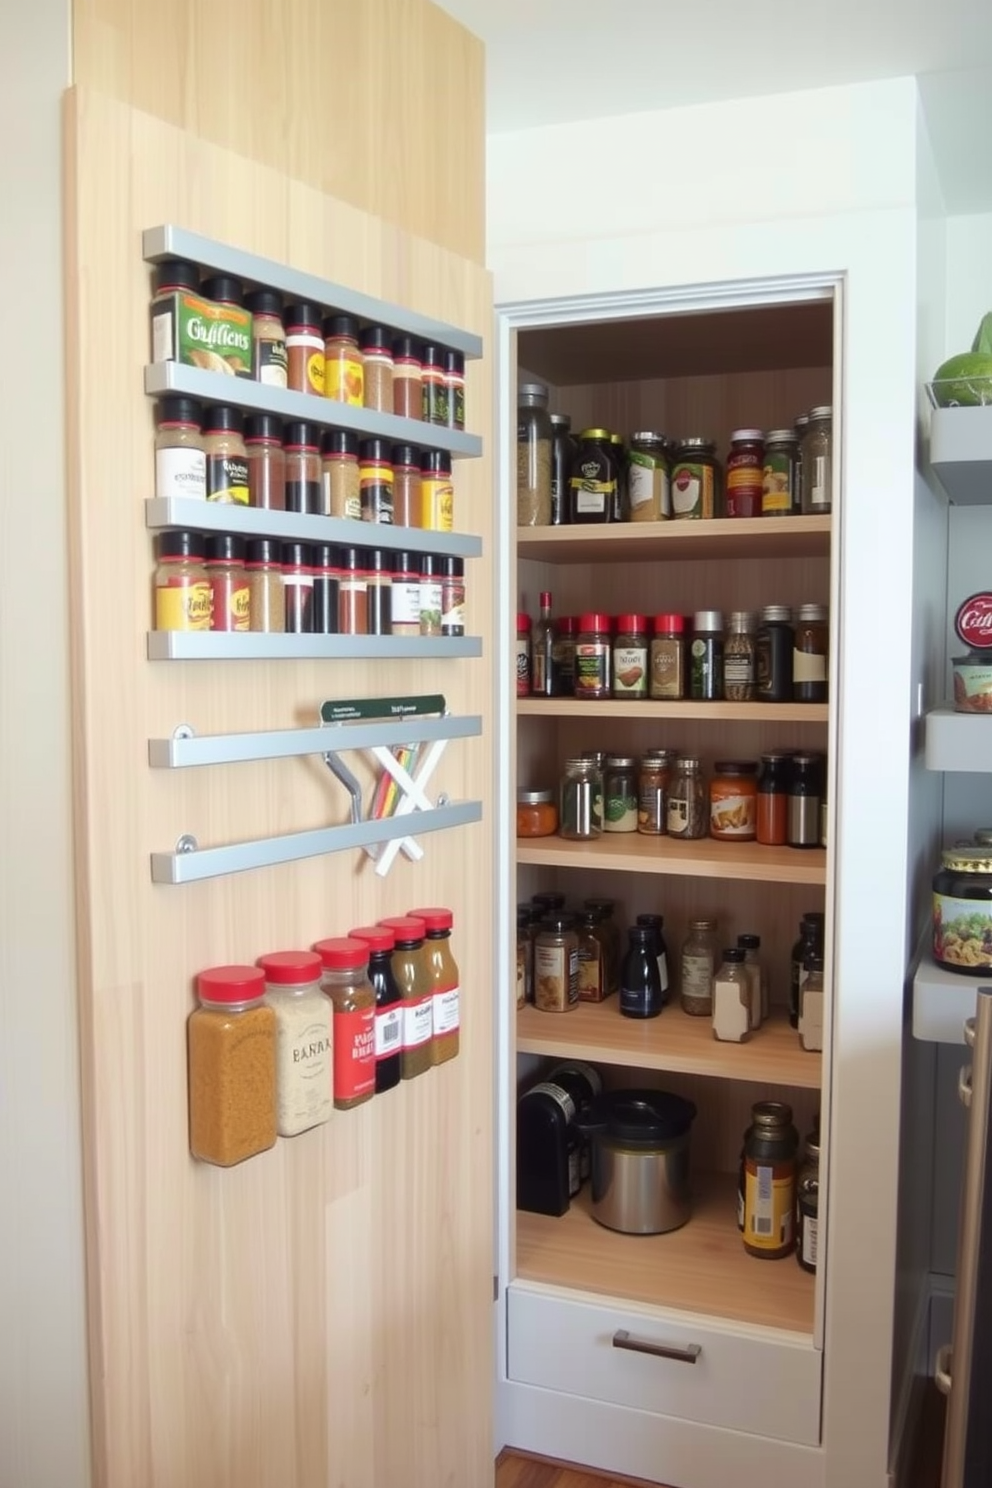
{"x": 183, "y": 750}
{"x": 220, "y": 645}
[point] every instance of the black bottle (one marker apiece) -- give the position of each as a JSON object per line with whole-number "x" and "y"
{"x": 640, "y": 984}
{"x": 388, "y": 1006}
{"x": 655, "y": 922}
{"x": 810, "y": 943}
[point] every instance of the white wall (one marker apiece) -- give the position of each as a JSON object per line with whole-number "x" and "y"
{"x": 43, "y": 1392}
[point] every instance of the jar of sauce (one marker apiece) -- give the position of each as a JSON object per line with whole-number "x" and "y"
{"x": 593, "y": 482}
{"x": 630, "y": 657}
{"x": 734, "y": 801}
{"x": 745, "y": 473}
{"x": 593, "y": 656}
{"x": 962, "y": 911}
{"x": 537, "y": 813}
{"x": 772, "y": 819}
{"x": 694, "y": 479}
{"x": 810, "y": 653}
{"x": 648, "y": 490}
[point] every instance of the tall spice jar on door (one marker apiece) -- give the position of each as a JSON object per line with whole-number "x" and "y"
{"x": 303, "y": 1039}
{"x": 345, "y": 963}
{"x": 413, "y": 978}
{"x": 445, "y": 980}
{"x": 231, "y": 1048}
{"x": 388, "y": 1005}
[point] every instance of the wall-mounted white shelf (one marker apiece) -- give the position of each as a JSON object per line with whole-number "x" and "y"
{"x": 942, "y": 1000}
{"x": 961, "y": 453}
{"x": 217, "y": 645}
{"x": 958, "y": 741}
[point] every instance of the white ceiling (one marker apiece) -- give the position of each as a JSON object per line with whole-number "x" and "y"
{"x": 552, "y": 61}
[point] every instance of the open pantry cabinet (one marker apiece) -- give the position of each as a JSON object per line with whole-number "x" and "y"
{"x": 754, "y": 1389}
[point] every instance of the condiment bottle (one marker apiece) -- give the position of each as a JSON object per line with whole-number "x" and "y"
{"x": 668, "y": 657}
{"x": 801, "y": 425}
{"x": 353, "y": 592}
{"x": 227, "y": 456}
{"x": 697, "y": 968}
{"x": 811, "y": 1005}
{"x": 556, "y": 965}
{"x": 379, "y": 580}
{"x": 655, "y": 923}
{"x": 430, "y": 594}
{"x": 437, "y": 493}
{"x": 809, "y": 944}
{"x": 304, "y": 491}
{"x": 640, "y": 984}
{"x": 805, "y": 791}
{"x": 648, "y": 490}
{"x": 231, "y": 1051}
{"x": 772, "y": 820}
{"x": 345, "y": 963}
{"x": 297, "y": 586}
{"x": 413, "y": 977}
{"x": 733, "y": 800}
{"x": 618, "y": 509}
{"x": 779, "y": 488}
{"x": 523, "y": 654}
{"x": 454, "y": 386}
{"x": 304, "y": 1044}
{"x": 376, "y": 347}
{"x": 270, "y": 358}
{"x": 434, "y": 393}
{"x": 732, "y": 999}
{"x": 810, "y": 652}
{"x": 304, "y": 349}
{"x": 562, "y": 454}
{"x": 325, "y": 590}
{"x": 542, "y": 648}
{"x": 757, "y": 985}
{"x": 180, "y": 451}
{"x": 739, "y": 658}
{"x": 591, "y": 956}
{"x": 606, "y": 909}
{"x": 688, "y": 814}
{"x": 580, "y": 811}
{"x": 694, "y": 479}
{"x": 445, "y": 981}
{"x": 452, "y": 596}
{"x": 405, "y": 595}
{"x": 408, "y": 398}
{"x": 773, "y": 648}
{"x": 266, "y": 601}
{"x": 619, "y": 794}
{"x": 388, "y": 1005}
{"x": 344, "y": 378}
{"x": 593, "y": 658}
{"x": 817, "y": 493}
{"x": 706, "y": 656}
{"x": 770, "y": 1146}
{"x": 341, "y": 485}
{"x": 808, "y": 1204}
{"x": 182, "y": 587}
{"x": 230, "y": 597}
{"x": 407, "y": 499}
{"x": 630, "y": 657}
{"x": 592, "y": 486}
{"x": 266, "y": 462}
{"x": 745, "y": 473}
{"x": 533, "y": 456}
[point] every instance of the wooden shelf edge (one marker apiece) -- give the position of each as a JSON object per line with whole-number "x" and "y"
{"x": 754, "y": 537}
{"x": 536, "y": 707}
{"x": 704, "y": 859}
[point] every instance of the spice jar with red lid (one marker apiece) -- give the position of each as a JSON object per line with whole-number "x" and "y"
{"x": 630, "y": 657}
{"x": 304, "y": 1059}
{"x": 231, "y": 1055}
{"x": 413, "y": 977}
{"x": 523, "y": 654}
{"x": 381, "y": 941}
{"x": 345, "y": 962}
{"x": 668, "y": 657}
{"x": 445, "y": 980}
{"x": 593, "y": 657}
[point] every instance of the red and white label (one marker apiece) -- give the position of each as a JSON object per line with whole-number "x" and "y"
{"x": 354, "y": 1053}
{"x": 973, "y": 622}
{"x": 418, "y": 1023}
{"x": 446, "y": 1010}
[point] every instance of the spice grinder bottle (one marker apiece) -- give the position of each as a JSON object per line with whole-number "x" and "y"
{"x": 804, "y": 801}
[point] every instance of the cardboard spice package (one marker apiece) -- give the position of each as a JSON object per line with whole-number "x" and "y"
{"x": 187, "y": 328}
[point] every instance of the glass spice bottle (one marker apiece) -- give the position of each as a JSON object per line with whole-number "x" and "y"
{"x": 523, "y": 947}
{"x": 413, "y": 978}
{"x": 380, "y": 580}
{"x": 542, "y": 648}
{"x": 580, "y": 812}
{"x": 619, "y": 794}
{"x": 810, "y": 652}
{"x": 688, "y": 815}
{"x": 229, "y": 592}
{"x": 325, "y": 590}
{"x": 652, "y": 793}
{"x": 376, "y": 347}
{"x": 668, "y": 657}
{"x": 454, "y": 386}
{"x": 269, "y": 356}
{"x": 304, "y": 1049}
{"x": 811, "y": 1006}
{"x": 223, "y": 289}
{"x": 591, "y": 957}
{"x": 445, "y": 981}
{"x": 817, "y": 492}
{"x": 345, "y": 980}
{"x": 231, "y": 1053}
{"x": 180, "y": 451}
{"x": 556, "y": 965}
{"x": 773, "y": 654}
{"x": 344, "y": 377}
{"x": 433, "y": 390}
{"x": 182, "y": 586}
{"x": 648, "y": 491}
{"x": 655, "y": 923}
{"x": 266, "y": 462}
{"x": 407, "y": 508}
{"x": 304, "y": 350}
{"x": 732, "y": 999}
{"x": 340, "y": 481}
{"x": 772, "y": 818}
{"x": 431, "y": 594}
{"x": 630, "y": 657}
{"x": 593, "y": 656}
{"x": 353, "y": 592}
{"x": 170, "y": 277}
{"x": 778, "y": 490}
{"x": 405, "y": 595}
{"x": 266, "y": 602}
{"x": 619, "y": 508}
{"x": 739, "y": 658}
{"x": 770, "y": 1147}
{"x": 534, "y": 440}
{"x": 375, "y": 479}
{"x": 388, "y": 1005}
{"x": 437, "y": 493}
{"x": 809, "y": 944}
{"x": 592, "y": 486}
{"x": 606, "y": 909}
{"x": 452, "y": 596}
{"x": 697, "y": 968}
{"x": 297, "y": 587}
{"x": 760, "y": 1003}
{"x": 304, "y": 492}
{"x": 227, "y": 455}
{"x": 408, "y": 398}
{"x": 706, "y": 656}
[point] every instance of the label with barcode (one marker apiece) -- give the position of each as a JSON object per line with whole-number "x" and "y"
{"x": 809, "y": 1239}
{"x": 769, "y": 1205}
{"x": 388, "y": 1031}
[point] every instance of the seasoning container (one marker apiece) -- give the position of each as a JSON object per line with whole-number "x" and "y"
{"x": 325, "y": 590}
{"x": 808, "y": 1204}
{"x": 304, "y": 349}
{"x": 437, "y": 493}
{"x": 706, "y": 656}
{"x": 537, "y": 813}
{"x": 533, "y": 456}
{"x": 375, "y": 480}
{"x": 581, "y": 798}
{"x": 758, "y": 982}
{"x": 732, "y": 999}
{"x": 266, "y": 462}
{"x": 592, "y": 955}
{"x": 405, "y": 594}
{"x": 523, "y": 654}
{"x": 376, "y": 346}
{"x": 413, "y": 978}
{"x": 431, "y": 594}
{"x": 809, "y": 656}
{"x": 445, "y": 982}
{"x": 779, "y": 491}
{"x": 740, "y": 658}
{"x": 688, "y": 805}
{"x": 270, "y": 359}
{"x": 408, "y": 399}
{"x": 556, "y": 965}
{"x": 434, "y": 393}
{"x": 180, "y": 450}
{"x": 353, "y": 592}
{"x": 407, "y": 501}
{"x": 770, "y": 1146}
{"x": 640, "y": 984}
{"x": 593, "y": 655}
{"x": 771, "y": 824}
{"x": 694, "y": 479}
{"x": 304, "y": 1059}
{"x": 817, "y": 494}
{"x": 547, "y": 903}
{"x": 562, "y": 454}
{"x": 341, "y": 483}
{"x": 452, "y": 596}
{"x": 648, "y": 491}
{"x": 304, "y": 490}
{"x": 773, "y": 648}
{"x": 388, "y": 1005}
{"x": 230, "y": 597}
{"x": 745, "y": 473}
{"x": 297, "y": 586}
{"x": 606, "y": 909}
{"x": 266, "y": 604}
{"x": 697, "y": 969}
{"x": 652, "y": 793}
{"x": 620, "y": 794}
{"x": 454, "y": 387}
{"x": 227, "y": 456}
{"x": 231, "y": 1052}
{"x": 344, "y": 375}
{"x": 803, "y": 827}
{"x": 962, "y": 911}
{"x": 618, "y": 510}
{"x": 563, "y": 657}
{"x": 172, "y": 279}
{"x": 630, "y": 657}
{"x": 224, "y": 289}
{"x": 668, "y": 657}
{"x": 811, "y": 1006}
{"x": 191, "y": 329}
{"x": 655, "y": 923}
{"x": 809, "y": 944}
{"x": 802, "y": 424}
{"x": 734, "y": 801}
{"x": 592, "y": 486}
{"x": 345, "y": 981}
{"x": 182, "y": 586}
{"x": 379, "y": 580}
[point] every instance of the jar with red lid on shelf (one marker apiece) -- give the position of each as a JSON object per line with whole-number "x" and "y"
{"x": 745, "y": 473}
{"x": 523, "y": 654}
{"x": 304, "y": 1060}
{"x": 668, "y": 658}
{"x": 445, "y": 981}
{"x": 593, "y": 657}
{"x": 231, "y": 1062}
{"x": 630, "y": 657}
{"x": 345, "y": 980}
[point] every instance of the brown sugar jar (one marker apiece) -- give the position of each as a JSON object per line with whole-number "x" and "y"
{"x": 231, "y": 1056}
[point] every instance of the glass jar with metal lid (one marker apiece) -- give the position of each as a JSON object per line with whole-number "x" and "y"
{"x": 688, "y": 814}
{"x": 695, "y": 478}
{"x": 962, "y": 911}
{"x": 810, "y": 654}
{"x": 706, "y": 660}
{"x": 592, "y": 486}
{"x": 652, "y": 792}
{"x": 779, "y": 493}
{"x": 537, "y": 813}
{"x": 817, "y": 452}
{"x": 648, "y": 490}
{"x": 770, "y": 1147}
{"x": 808, "y": 1204}
{"x": 556, "y": 965}
{"x": 745, "y": 473}
{"x": 620, "y": 794}
{"x": 534, "y": 438}
{"x": 581, "y": 801}
{"x": 739, "y": 658}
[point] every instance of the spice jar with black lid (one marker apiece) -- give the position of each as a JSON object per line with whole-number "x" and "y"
{"x": 437, "y": 493}
{"x": 227, "y": 455}
{"x": 182, "y": 587}
{"x": 773, "y": 654}
{"x": 353, "y": 592}
{"x": 556, "y": 965}
{"x": 269, "y": 356}
{"x": 344, "y": 377}
{"x": 171, "y": 276}
{"x": 230, "y": 594}
{"x": 378, "y": 569}
{"x": 223, "y": 289}
{"x": 267, "y": 605}
{"x": 454, "y": 385}
{"x": 431, "y": 594}
{"x": 304, "y": 492}
{"x": 297, "y": 584}
{"x": 325, "y": 589}
{"x": 266, "y": 462}
{"x": 452, "y": 596}
{"x": 375, "y": 479}
{"x": 405, "y": 594}
{"x": 376, "y": 346}
{"x": 341, "y": 491}
{"x": 408, "y": 399}
{"x": 433, "y": 389}
{"x": 304, "y": 349}
{"x": 407, "y": 509}
{"x": 180, "y": 452}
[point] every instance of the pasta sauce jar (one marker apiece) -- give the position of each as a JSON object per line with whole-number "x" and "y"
{"x": 962, "y": 911}
{"x": 734, "y": 801}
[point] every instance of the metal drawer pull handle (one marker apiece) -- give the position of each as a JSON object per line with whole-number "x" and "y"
{"x": 964, "y": 1085}
{"x": 942, "y": 1370}
{"x": 687, "y": 1355}
{"x": 969, "y": 1032}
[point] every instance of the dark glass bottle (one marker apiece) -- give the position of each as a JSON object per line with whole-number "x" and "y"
{"x": 773, "y": 654}
{"x": 380, "y": 940}
{"x": 655, "y": 922}
{"x": 562, "y": 454}
{"x": 809, "y": 944}
{"x": 640, "y": 984}
{"x": 541, "y": 651}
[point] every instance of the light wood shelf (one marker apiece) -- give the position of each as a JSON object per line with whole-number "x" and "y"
{"x": 631, "y": 852}
{"x": 647, "y": 542}
{"x": 674, "y": 1042}
{"x": 701, "y": 1268}
{"x": 543, "y": 707}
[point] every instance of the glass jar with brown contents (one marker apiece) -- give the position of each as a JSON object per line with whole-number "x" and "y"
{"x": 182, "y": 587}
{"x": 408, "y": 397}
{"x": 353, "y": 593}
{"x": 301, "y": 442}
{"x": 344, "y": 377}
{"x": 269, "y": 356}
{"x": 304, "y": 350}
{"x": 413, "y": 978}
{"x": 231, "y": 1047}
{"x": 266, "y": 601}
{"x": 339, "y": 475}
{"x": 445, "y": 980}
{"x": 266, "y": 462}
{"x": 377, "y": 358}
{"x": 406, "y": 486}
{"x": 345, "y": 980}
{"x": 227, "y": 455}
{"x": 739, "y": 658}
{"x": 230, "y": 595}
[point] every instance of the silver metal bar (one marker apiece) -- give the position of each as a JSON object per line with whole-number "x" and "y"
{"x": 218, "y": 645}
{"x": 264, "y": 852}
{"x": 254, "y": 521}
{"x": 687, "y": 1354}
{"x": 259, "y": 397}
{"x": 228, "y": 749}
{"x": 176, "y": 242}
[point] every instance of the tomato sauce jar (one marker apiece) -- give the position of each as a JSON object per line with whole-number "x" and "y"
{"x": 745, "y": 473}
{"x": 734, "y": 801}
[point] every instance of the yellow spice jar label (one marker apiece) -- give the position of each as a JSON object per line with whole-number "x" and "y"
{"x": 183, "y": 606}
{"x": 769, "y": 1206}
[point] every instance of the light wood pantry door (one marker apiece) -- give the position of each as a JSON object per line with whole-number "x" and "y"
{"x": 319, "y": 1315}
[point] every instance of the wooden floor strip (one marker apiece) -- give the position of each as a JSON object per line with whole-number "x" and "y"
{"x": 522, "y": 1470}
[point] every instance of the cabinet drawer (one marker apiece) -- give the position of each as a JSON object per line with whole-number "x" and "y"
{"x": 745, "y": 1379}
